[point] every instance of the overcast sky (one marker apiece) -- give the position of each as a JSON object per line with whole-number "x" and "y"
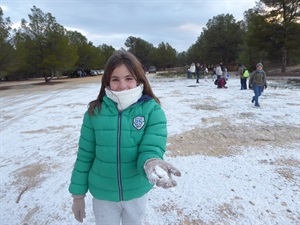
{"x": 111, "y": 22}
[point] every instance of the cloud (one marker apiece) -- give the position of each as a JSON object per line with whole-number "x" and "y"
{"x": 4, "y": 8}
{"x": 190, "y": 27}
{"x": 177, "y": 22}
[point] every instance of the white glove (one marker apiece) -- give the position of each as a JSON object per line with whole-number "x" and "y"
{"x": 78, "y": 207}
{"x": 159, "y": 172}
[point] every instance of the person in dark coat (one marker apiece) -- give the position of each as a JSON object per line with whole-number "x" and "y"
{"x": 258, "y": 83}
{"x": 198, "y": 72}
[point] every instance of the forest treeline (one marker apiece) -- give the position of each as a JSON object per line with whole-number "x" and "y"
{"x": 269, "y": 33}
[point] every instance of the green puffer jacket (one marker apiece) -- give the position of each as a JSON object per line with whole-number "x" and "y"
{"x": 113, "y": 147}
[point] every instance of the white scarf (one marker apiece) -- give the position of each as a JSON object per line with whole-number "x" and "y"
{"x": 126, "y": 98}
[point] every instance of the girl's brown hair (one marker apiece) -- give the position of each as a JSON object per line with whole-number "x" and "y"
{"x": 118, "y": 58}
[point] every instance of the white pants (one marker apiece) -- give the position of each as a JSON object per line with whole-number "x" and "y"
{"x": 115, "y": 213}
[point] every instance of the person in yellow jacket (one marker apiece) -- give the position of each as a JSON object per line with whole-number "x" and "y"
{"x": 244, "y": 74}
{"x": 121, "y": 146}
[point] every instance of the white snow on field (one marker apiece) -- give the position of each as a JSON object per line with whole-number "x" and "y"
{"x": 39, "y": 133}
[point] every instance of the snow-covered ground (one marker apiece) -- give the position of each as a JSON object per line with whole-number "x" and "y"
{"x": 257, "y": 184}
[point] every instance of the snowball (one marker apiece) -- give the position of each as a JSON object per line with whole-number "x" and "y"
{"x": 161, "y": 173}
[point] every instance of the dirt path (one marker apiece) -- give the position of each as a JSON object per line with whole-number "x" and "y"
{"x": 8, "y": 87}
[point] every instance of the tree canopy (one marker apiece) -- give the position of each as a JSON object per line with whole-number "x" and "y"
{"x": 273, "y": 32}
{"x": 7, "y": 53}
{"x": 218, "y": 42}
{"x": 42, "y": 47}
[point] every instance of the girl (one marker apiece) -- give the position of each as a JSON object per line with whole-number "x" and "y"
{"x": 121, "y": 146}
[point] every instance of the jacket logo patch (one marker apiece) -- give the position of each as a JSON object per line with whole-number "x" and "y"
{"x": 139, "y": 122}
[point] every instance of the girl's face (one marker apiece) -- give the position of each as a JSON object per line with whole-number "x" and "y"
{"x": 121, "y": 79}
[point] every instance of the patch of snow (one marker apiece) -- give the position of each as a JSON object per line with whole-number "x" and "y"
{"x": 40, "y": 130}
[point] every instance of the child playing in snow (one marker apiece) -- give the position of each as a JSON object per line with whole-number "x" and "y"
{"x": 222, "y": 82}
{"x": 121, "y": 146}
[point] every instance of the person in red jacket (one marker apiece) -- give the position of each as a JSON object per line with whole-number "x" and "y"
{"x": 222, "y": 82}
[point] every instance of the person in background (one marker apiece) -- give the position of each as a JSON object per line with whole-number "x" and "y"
{"x": 225, "y": 73}
{"x": 243, "y": 80}
{"x": 121, "y": 146}
{"x": 219, "y": 71}
{"x": 79, "y": 72}
{"x": 198, "y": 72}
{"x": 193, "y": 70}
{"x": 246, "y": 75}
{"x": 222, "y": 82}
{"x": 214, "y": 74}
{"x": 188, "y": 73}
{"x": 257, "y": 82}
{"x": 223, "y": 68}
{"x": 206, "y": 71}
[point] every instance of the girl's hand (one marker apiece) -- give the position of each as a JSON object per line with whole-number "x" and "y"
{"x": 78, "y": 207}
{"x": 160, "y": 173}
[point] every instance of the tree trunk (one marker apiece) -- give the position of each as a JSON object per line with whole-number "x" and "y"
{"x": 284, "y": 59}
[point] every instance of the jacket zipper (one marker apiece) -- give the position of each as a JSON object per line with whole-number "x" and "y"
{"x": 119, "y": 157}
